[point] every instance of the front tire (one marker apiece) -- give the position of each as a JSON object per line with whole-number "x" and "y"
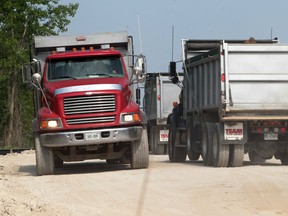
{"x": 140, "y": 152}
{"x": 176, "y": 154}
{"x": 44, "y": 158}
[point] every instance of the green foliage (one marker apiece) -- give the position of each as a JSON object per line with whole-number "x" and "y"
{"x": 19, "y": 22}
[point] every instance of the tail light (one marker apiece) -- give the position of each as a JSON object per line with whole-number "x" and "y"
{"x": 283, "y": 130}
{"x": 278, "y": 127}
{"x": 223, "y": 77}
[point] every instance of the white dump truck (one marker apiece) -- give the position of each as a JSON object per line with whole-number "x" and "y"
{"x": 160, "y": 93}
{"x": 234, "y": 101}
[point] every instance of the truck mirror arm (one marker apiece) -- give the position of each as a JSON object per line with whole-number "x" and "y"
{"x": 36, "y": 79}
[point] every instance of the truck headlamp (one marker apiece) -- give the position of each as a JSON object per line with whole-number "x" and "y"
{"x": 131, "y": 117}
{"x": 128, "y": 118}
{"x": 51, "y": 124}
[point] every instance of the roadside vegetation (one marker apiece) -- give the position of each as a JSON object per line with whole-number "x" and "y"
{"x": 19, "y": 21}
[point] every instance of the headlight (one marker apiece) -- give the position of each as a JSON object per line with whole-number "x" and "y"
{"x": 131, "y": 117}
{"x": 51, "y": 124}
{"x": 128, "y": 118}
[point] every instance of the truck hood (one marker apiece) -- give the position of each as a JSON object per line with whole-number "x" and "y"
{"x": 61, "y": 87}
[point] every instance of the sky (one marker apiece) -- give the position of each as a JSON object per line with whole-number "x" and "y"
{"x": 191, "y": 19}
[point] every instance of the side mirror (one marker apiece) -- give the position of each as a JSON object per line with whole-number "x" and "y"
{"x": 172, "y": 69}
{"x": 141, "y": 78}
{"x": 139, "y": 67}
{"x": 173, "y": 73}
{"x": 29, "y": 69}
{"x": 36, "y": 67}
{"x": 26, "y": 73}
{"x": 36, "y": 78}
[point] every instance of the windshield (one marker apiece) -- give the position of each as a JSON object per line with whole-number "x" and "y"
{"x": 85, "y": 67}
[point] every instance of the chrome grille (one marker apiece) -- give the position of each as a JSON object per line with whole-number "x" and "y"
{"x": 90, "y": 120}
{"x": 89, "y": 104}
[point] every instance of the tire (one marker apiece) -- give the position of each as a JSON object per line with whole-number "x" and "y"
{"x": 140, "y": 152}
{"x": 255, "y": 158}
{"x": 190, "y": 141}
{"x": 236, "y": 155}
{"x": 220, "y": 151}
{"x": 207, "y": 145}
{"x": 176, "y": 154}
{"x": 44, "y": 158}
{"x": 284, "y": 158}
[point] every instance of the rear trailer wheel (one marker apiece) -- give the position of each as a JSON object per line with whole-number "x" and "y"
{"x": 220, "y": 150}
{"x": 207, "y": 145}
{"x": 191, "y": 142}
{"x": 140, "y": 152}
{"x": 255, "y": 158}
{"x": 44, "y": 158}
{"x": 284, "y": 158}
{"x": 236, "y": 155}
{"x": 176, "y": 154}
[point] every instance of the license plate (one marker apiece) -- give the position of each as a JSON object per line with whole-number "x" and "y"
{"x": 92, "y": 136}
{"x": 271, "y": 136}
{"x": 163, "y": 135}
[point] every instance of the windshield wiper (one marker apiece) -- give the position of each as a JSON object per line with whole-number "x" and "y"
{"x": 67, "y": 77}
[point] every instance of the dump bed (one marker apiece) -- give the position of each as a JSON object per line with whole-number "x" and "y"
{"x": 240, "y": 81}
{"x": 160, "y": 93}
{"x": 45, "y": 45}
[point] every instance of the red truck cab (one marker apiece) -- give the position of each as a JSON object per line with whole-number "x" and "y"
{"x": 86, "y": 111}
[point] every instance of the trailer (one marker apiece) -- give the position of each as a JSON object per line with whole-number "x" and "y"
{"x": 160, "y": 93}
{"x": 234, "y": 101}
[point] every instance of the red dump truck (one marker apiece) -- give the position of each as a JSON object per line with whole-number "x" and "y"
{"x": 84, "y": 103}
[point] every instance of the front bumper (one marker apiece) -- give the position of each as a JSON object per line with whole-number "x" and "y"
{"x": 91, "y": 137}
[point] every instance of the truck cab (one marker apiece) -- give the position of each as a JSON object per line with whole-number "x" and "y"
{"x": 84, "y": 105}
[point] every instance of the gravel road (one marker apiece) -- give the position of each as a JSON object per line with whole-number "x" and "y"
{"x": 168, "y": 189}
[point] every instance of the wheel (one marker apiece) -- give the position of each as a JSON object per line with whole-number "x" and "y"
{"x": 44, "y": 158}
{"x": 220, "y": 150}
{"x": 140, "y": 152}
{"x": 191, "y": 142}
{"x": 284, "y": 158}
{"x": 255, "y": 158}
{"x": 236, "y": 155}
{"x": 207, "y": 145}
{"x": 176, "y": 154}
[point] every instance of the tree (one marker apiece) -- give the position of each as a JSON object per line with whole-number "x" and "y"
{"x": 19, "y": 21}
